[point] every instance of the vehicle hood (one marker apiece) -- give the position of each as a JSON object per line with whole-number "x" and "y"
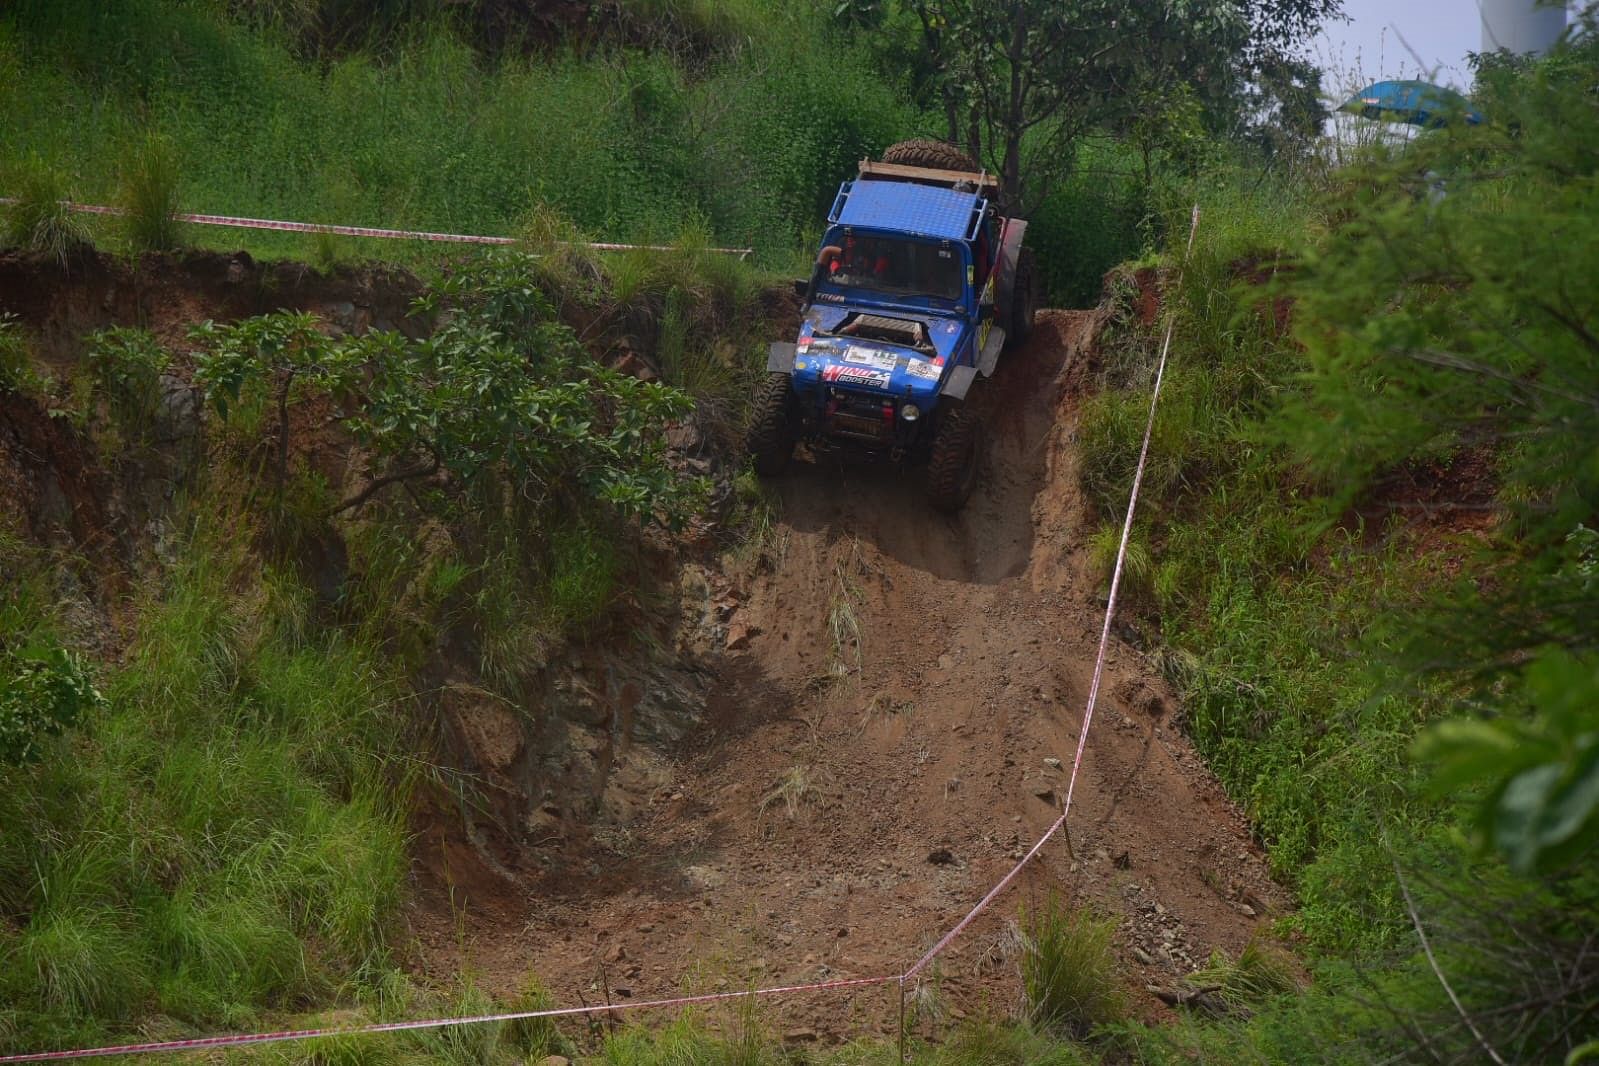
{"x": 869, "y": 365}
{"x": 945, "y": 331}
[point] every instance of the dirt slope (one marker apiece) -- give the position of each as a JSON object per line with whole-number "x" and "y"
{"x": 896, "y": 703}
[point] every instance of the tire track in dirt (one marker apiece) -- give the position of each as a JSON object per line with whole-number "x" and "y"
{"x": 896, "y": 732}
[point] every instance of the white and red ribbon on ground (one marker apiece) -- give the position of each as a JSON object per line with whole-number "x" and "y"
{"x": 921, "y": 964}
{"x": 371, "y": 231}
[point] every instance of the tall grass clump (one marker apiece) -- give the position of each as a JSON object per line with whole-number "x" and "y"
{"x": 225, "y": 836}
{"x": 1259, "y": 974}
{"x": 149, "y": 194}
{"x": 40, "y": 220}
{"x": 1068, "y": 963}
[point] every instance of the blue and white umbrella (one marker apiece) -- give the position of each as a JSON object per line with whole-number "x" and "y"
{"x": 1419, "y": 103}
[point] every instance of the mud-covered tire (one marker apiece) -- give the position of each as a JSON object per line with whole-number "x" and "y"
{"x": 957, "y": 455}
{"x": 772, "y": 435}
{"x": 1024, "y": 299}
{"x": 926, "y": 152}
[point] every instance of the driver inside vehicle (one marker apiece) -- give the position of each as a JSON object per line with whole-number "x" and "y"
{"x": 890, "y": 265}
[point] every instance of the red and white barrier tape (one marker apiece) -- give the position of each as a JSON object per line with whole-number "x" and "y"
{"x": 242, "y": 1039}
{"x": 370, "y": 231}
{"x": 685, "y": 1001}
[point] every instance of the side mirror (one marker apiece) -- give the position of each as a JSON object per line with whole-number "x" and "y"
{"x": 802, "y": 288}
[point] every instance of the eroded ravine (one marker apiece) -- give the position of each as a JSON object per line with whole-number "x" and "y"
{"x": 891, "y": 726}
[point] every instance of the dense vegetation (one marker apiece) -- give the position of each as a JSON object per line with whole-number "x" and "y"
{"x": 1379, "y": 517}
{"x": 1371, "y": 565}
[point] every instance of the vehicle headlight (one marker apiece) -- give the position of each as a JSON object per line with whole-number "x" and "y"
{"x": 910, "y": 412}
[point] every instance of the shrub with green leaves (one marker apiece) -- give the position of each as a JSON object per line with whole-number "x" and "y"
{"x": 127, "y": 364}
{"x": 500, "y": 397}
{"x": 43, "y": 693}
{"x": 1327, "y": 619}
{"x": 1458, "y": 331}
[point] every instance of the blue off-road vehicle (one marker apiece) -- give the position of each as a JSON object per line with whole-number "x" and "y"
{"x": 918, "y": 286}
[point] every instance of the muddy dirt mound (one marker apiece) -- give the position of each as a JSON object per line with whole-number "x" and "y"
{"x": 896, "y": 702}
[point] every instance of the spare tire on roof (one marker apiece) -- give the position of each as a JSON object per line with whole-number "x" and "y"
{"x": 926, "y": 152}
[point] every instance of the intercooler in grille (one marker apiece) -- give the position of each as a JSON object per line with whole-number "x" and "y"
{"x": 880, "y": 327}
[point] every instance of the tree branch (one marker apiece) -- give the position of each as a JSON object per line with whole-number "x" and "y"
{"x": 1415, "y": 919}
{"x": 384, "y": 482}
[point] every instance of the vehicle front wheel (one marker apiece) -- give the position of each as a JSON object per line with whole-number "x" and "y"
{"x": 772, "y": 432}
{"x": 957, "y": 454}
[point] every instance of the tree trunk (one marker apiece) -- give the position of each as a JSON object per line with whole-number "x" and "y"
{"x": 1011, "y": 172}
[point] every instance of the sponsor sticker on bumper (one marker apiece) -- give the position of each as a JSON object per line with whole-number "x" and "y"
{"x": 840, "y": 374}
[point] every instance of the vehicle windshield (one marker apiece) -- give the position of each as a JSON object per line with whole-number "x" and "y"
{"x": 897, "y": 266}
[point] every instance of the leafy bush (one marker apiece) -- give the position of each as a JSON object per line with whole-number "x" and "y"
{"x": 1455, "y": 326}
{"x": 1538, "y": 773}
{"x": 127, "y": 364}
{"x": 1068, "y": 964}
{"x": 499, "y": 396}
{"x": 42, "y": 694}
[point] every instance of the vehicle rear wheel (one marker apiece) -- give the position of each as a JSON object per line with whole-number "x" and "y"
{"x": 926, "y": 152}
{"x": 957, "y": 454}
{"x": 773, "y": 433}
{"x": 1024, "y": 298}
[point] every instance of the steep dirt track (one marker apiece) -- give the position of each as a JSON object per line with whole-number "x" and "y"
{"x": 846, "y": 800}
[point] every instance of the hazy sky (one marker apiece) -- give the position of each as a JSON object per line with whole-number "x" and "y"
{"x": 1368, "y": 46}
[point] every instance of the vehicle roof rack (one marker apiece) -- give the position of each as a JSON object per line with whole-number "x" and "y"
{"x": 981, "y": 180}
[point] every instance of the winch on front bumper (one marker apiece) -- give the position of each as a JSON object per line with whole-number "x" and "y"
{"x": 863, "y": 420}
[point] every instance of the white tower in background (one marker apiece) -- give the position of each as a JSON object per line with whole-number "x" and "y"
{"x": 1521, "y": 26}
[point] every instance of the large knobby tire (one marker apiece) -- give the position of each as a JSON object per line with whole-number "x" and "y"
{"x": 1023, "y": 299}
{"x": 957, "y": 454}
{"x": 772, "y": 431}
{"x": 926, "y": 152}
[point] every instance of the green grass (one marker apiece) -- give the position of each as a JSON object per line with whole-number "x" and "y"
{"x": 629, "y": 145}
{"x": 1258, "y": 595}
{"x": 736, "y": 125}
{"x": 1259, "y": 974}
{"x": 39, "y": 220}
{"x": 225, "y": 837}
{"x": 17, "y": 372}
{"x": 1070, "y": 983}
{"x": 150, "y": 195}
